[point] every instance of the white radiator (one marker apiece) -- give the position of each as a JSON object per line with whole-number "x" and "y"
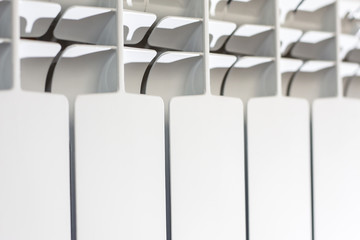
{"x": 179, "y": 119}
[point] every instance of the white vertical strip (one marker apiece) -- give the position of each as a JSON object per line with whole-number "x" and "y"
{"x": 120, "y": 46}
{"x": 339, "y": 82}
{"x": 206, "y": 46}
{"x": 277, "y": 49}
{"x": 15, "y": 41}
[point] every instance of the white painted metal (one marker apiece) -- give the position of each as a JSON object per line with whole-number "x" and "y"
{"x": 278, "y": 138}
{"x": 315, "y": 45}
{"x": 120, "y": 137}
{"x": 336, "y": 165}
{"x": 177, "y": 33}
{"x": 336, "y": 152}
{"x": 252, "y": 40}
{"x": 207, "y": 162}
{"x": 87, "y": 24}
{"x": 36, "y": 17}
{"x": 5, "y": 15}
{"x": 120, "y": 172}
{"x": 219, "y": 32}
{"x": 184, "y": 69}
{"x": 34, "y": 159}
{"x": 120, "y": 162}
{"x": 219, "y": 65}
{"x": 136, "y": 25}
{"x": 254, "y": 72}
{"x": 288, "y": 38}
{"x": 207, "y": 168}
{"x": 314, "y": 15}
{"x": 314, "y": 79}
{"x": 242, "y": 11}
{"x": 36, "y": 55}
{"x": 278, "y": 155}
{"x": 288, "y": 68}
{"x": 34, "y": 167}
{"x": 162, "y": 8}
{"x": 138, "y": 5}
{"x": 95, "y": 25}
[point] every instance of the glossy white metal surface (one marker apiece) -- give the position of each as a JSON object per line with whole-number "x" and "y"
{"x": 336, "y": 154}
{"x": 120, "y": 161}
{"x": 278, "y": 143}
{"x": 207, "y": 175}
{"x": 120, "y": 167}
{"x": 34, "y": 167}
{"x": 34, "y": 157}
{"x": 207, "y": 168}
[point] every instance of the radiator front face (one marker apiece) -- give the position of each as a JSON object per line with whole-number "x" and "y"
{"x": 179, "y": 119}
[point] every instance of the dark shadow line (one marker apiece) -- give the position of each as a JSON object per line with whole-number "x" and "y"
{"x": 312, "y": 178}
{"x": 297, "y": 7}
{"x": 223, "y": 83}
{"x": 145, "y": 77}
{"x": 292, "y": 78}
{"x": 246, "y": 165}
